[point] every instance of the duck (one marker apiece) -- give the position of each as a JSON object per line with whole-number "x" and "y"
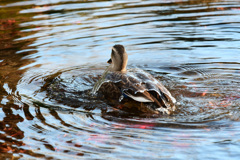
{"x": 134, "y": 89}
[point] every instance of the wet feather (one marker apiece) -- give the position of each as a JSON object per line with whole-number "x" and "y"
{"x": 135, "y": 84}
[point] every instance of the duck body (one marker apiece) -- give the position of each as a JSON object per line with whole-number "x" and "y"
{"x": 135, "y": 88}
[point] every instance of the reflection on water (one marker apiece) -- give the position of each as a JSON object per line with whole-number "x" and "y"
{"x": 52, "y": 53}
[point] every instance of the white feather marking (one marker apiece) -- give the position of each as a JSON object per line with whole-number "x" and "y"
{"x": 114, "y": 50}
{"x": 138, "y": 98}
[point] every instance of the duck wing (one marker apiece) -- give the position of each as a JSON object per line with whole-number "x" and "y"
{"x": 142, "y": 87}
{"x": 139, "y": 97}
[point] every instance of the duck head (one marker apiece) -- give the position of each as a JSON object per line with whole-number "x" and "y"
{"x": 119, "y": 58}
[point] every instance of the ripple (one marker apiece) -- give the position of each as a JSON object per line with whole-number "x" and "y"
{"x": 192, "y": 47}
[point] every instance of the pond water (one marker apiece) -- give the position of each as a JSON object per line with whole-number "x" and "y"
{"x": 53, "y": 51}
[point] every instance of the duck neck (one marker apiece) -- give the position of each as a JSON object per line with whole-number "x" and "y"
{"x": 119, "y": 66}
{"x": 116, "y": 68}
{"x": 124, "y": 66}
{"x": 119, "y": 62}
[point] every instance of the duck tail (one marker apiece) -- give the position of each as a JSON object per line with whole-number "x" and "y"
{"x": 160, "y": 101}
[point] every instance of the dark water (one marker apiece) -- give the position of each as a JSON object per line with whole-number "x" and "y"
{"x": 52, "y": 52}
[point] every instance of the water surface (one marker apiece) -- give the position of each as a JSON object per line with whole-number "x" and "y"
{"x": 52, "y": 52}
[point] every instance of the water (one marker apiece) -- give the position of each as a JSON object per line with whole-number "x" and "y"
{"x": 52, "y": 52}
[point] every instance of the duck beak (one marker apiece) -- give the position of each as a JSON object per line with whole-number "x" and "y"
{"x": 109, "y": 61}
